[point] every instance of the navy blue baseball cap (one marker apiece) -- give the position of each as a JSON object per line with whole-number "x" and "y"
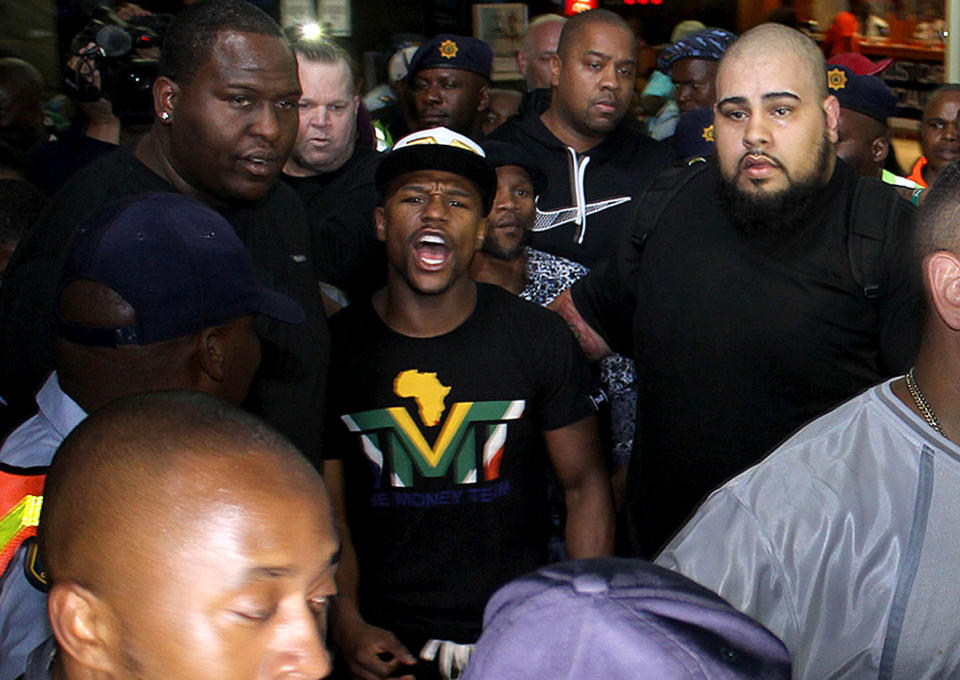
{"x": 452, "y": 51}
{"x": 864, "y": 94}
{"x": 709, "y": 44}
{"x": 177, "y": 262}
{"x": 502, "y": 153}
{"x": 619, "y": 619}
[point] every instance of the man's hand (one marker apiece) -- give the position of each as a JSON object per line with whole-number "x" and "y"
{"x": 372, "y": 653}
{"x": 129, "y": 10}
{"x": 450, "y": 656}
{"x": 102, "y": 125}
{"x": 595, "y": 347}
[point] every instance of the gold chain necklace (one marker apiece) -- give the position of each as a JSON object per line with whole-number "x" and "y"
{"x": 922, "y": 405}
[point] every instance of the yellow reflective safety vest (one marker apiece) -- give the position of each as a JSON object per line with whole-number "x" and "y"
{"x": 21, "y": 497}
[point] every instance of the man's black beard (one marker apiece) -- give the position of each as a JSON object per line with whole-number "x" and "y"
{"x": 491, "y": 249}
{"x": 780, "y": 214}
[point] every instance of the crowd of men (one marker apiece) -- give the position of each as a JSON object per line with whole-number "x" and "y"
{"x": 201, "y": 466}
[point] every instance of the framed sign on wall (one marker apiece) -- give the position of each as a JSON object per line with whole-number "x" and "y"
{"x": 502, "y": 26}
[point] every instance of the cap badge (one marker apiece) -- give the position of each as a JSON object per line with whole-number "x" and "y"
{"x": 448, "y": 49}
{"x": 836, "y": 79}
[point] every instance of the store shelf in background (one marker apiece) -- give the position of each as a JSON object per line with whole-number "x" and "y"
{"x": 906, "y": 51}
{"x": 912, "y": 82}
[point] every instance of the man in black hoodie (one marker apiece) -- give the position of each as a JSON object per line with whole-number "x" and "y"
{"x": 597, "y": 161}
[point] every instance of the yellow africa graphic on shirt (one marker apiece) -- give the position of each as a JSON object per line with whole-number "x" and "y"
{"x": 470, "y": 442}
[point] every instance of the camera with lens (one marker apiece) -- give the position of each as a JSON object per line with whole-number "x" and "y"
{"x": 115, "y": 47}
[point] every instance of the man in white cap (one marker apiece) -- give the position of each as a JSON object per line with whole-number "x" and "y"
{"x": 450, "y": 397}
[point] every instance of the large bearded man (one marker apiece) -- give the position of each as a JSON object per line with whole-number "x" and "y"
{"x": 750, "y": 314}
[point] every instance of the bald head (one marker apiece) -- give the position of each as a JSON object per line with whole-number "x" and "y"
{"x": 539, "y": 46}
{"x": 21, "y": 103}
{"x": 937, "y": 261}
{"x": 184, "y": 538}
{"x": 775, "y": 128}
{"x": 772, "y": 41}
{"x": 146, "y": 457}
{"x": 574, "y": 28}
{"x": 543, "y": 24}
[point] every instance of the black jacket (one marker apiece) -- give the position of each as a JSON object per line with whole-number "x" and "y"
{"x": 340, "y": 207}
{"x": 596, "y": 186}
{"x": 740, "y": 339}
{"x": 290, "y": 387}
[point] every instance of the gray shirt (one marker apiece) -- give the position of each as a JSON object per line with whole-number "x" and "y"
{"x": 844, "y": 542}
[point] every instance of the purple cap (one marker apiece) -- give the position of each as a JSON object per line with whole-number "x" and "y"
{"x": 615, "y": 619}
{"x": 176, "y": 261}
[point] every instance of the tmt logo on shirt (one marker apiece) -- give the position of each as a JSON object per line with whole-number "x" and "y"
{"x": 393, "y": 430}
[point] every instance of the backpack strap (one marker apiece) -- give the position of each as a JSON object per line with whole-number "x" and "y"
{"x": 873, "y": 212}
{"x": 654, "y": 200}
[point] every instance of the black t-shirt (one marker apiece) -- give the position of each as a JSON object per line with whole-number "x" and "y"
{"x": 738, "y": 341}
{"x": 443, "y": 454}
{"x": 340, "y": 207}
{"x": 290, "y": 386}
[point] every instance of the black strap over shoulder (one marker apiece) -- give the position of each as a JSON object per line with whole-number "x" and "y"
{"x": 873, "y": 212}
{"x": 652, "y": 203}
{"x": 872, "y": 215}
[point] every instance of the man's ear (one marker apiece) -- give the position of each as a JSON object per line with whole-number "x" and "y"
{"x": 555, "y": 69}
{"x": 165, "y": 95}
{"x": 356, "y": 104}
{"x": 831, "y": 111}
{"x": 483, "y": 98}
{"x": 941, "y": 270}
{"x": 522, "y": 62}
{"x": 380, "y": 221}
{"x": 83, "y": 626}
{"x": 879, "y": 148}
{"x": 212, "y": 357}
{"x": 481, "y": 233}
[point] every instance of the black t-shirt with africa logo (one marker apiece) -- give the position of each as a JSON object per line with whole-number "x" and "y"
{"x": 443, "y": 454}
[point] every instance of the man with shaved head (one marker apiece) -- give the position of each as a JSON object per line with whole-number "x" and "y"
{"x": 183, "y": 538}
{"x": 158, "y": 293}
{"x": 756, "y": 291}
{"x": 21, "y": 103}
{"x": 844, "y": 541}
{"x": 535, "y": 58}
{"x": 597, "y": 160}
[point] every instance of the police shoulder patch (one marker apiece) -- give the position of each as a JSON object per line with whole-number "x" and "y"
{"x": 32, "y": 567}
